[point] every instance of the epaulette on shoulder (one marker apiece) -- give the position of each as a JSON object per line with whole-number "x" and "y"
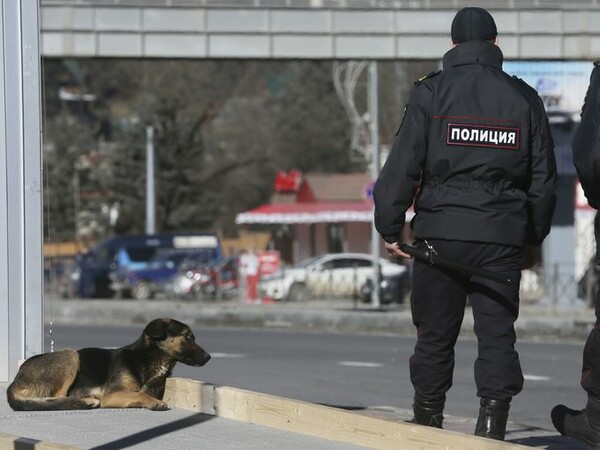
{"x": 429, "y": 75}
{"x": 523, "y": 82}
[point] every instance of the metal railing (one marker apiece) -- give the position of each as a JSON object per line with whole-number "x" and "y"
{"x": 339, "y": 4}
{"x": 554, "y": 288}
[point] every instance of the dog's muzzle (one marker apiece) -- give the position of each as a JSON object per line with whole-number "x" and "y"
{"x": 196, "y": 358}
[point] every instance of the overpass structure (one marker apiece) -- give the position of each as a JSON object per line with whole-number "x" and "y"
{"x": 322, "y": 29}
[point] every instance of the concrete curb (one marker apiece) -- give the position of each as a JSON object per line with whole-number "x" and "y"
{"x": 533, "y": 323}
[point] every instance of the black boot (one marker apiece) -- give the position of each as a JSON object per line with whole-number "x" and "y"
{"x": 583, "y": 426}
{"x": 493, "y": 415}
{"x": 429, "y": 413}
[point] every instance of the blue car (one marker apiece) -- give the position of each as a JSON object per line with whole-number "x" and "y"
{"x": 98, "y": 272}
{"x": 145, "y": 283}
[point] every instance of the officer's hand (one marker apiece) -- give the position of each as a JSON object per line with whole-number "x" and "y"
{"x": 530, "y": 253}
{"x": 395, "y": 252}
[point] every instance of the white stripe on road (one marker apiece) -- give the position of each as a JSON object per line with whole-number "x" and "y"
{"x": 359, "y": 364}
{"x": 536, "y": 377}
{"x": 228, "y": 355}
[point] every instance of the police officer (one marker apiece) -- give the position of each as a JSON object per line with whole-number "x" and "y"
{"x": 585, "y": 425}
{"x": 475, "y": 154}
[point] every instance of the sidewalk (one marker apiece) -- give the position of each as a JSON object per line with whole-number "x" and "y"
{"x": 112, "y": 429}
{"x": 184, "y": 429}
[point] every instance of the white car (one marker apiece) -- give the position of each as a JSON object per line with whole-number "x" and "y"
{"x": 330, "y": 275}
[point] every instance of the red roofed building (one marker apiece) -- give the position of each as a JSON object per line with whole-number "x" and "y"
{"x": 314, "y": 214}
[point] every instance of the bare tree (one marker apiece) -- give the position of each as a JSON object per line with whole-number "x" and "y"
{"x": 222, "y": 130}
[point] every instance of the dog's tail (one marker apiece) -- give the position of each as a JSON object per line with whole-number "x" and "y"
{"x": 21, "y": 403}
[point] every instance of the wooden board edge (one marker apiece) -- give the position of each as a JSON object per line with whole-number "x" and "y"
{"x": 10, "y": 442}
{"x": 317, "y": 420}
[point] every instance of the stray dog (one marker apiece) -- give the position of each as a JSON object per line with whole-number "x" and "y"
{"x": 133, "y": 376}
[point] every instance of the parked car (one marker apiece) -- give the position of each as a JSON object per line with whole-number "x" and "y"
{"x": 143, "y": 284}
{"x": 392, "y": 289}
{"x": 329, "y": 275}
{"x": 218, "y": 279}
{"x": 95, "y": 271}
{"x": 223, "y": 279}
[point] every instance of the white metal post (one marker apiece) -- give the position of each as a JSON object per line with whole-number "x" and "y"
{"x": 21, "y": 242}
{"x": 374, "y": 127}
{"x": 150, "y": 195}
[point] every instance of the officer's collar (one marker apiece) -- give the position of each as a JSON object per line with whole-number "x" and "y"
{"x": 474, "y": 52}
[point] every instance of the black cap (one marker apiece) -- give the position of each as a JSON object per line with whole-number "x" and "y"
{"x": 473, "y": 24}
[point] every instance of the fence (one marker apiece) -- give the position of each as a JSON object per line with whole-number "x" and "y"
{"x": 555, "y": 287}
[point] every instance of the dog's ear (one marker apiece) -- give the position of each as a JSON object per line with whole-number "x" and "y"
{"x": 157, "y": 329}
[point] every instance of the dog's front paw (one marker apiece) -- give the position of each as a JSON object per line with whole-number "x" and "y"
{"x": 91, "y": 402}
{"x": 159, "y": 406}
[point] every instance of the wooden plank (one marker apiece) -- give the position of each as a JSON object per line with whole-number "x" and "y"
{"x": 9, "y": 442}
{"x": 317, "y": 420}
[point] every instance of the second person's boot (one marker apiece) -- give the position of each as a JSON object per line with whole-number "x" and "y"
{"x": 429, "y": 413}
{"x": 583, "y": 426}
{"x": 493, "y": 415}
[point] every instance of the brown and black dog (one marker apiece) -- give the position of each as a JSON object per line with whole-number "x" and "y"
{"x": 133, "y": 376}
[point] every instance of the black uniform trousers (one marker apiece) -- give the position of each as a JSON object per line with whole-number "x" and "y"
{"x": 590, "y": 375}
{"x": 438, "y": 303}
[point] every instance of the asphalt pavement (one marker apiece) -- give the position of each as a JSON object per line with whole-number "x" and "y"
{"x": 183, "y": 429}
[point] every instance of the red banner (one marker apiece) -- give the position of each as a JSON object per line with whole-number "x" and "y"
{"x": 269, "y": 261}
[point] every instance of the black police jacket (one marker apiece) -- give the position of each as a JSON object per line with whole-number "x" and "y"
{"x": 586, "y": 142}
{"x": 474, "y": 153}
{"x": 586, "y": 149}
